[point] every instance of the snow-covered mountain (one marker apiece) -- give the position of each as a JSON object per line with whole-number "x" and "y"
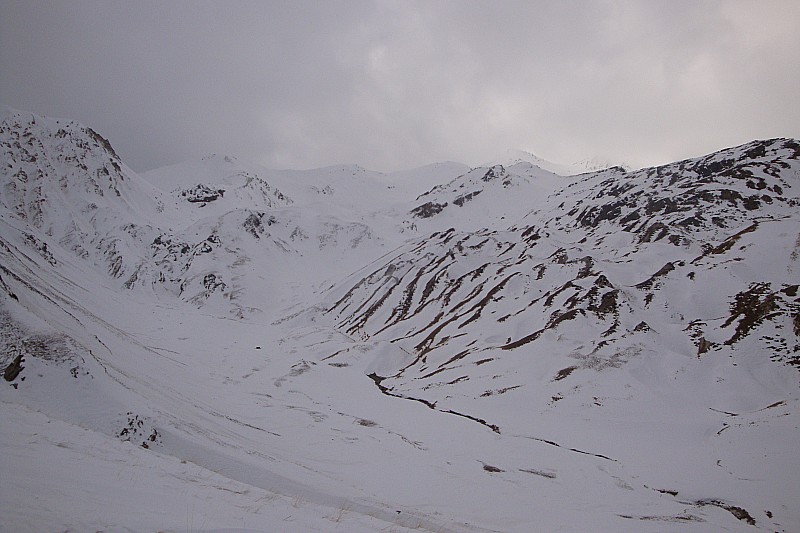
{"x": 216, "y": 345}
{"x": 512, "y": 157}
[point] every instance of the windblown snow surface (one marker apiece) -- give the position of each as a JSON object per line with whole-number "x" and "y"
{"x": 215, "y": 346}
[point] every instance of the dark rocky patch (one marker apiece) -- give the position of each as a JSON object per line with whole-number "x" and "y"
{"x": 649, "y": 282}
{"x": 139, "y": 430}
{"x": 751, "y": 308}
{"x": 564, "y": 372}
{"x": 212, "y": 282}
{"x": 255, "y": 224}
{"x": 428, "y": 210}
{"x": 497, "y": 171}
{"x": 202, "y": 194}
{"x": 548, "y": 475}
{"x": 676, "y": 518}
{"x": 14, "y": 368}
{"x": 499, "y": 391}
{"x": 41, "y": 248}
{"x": 736, "y": 511}
{"x": 464, "y": 198}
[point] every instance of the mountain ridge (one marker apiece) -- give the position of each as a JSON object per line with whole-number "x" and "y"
{"x": 346, "y": 346}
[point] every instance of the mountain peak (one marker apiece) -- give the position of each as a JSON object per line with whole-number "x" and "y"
{"x": 515, "y": 156}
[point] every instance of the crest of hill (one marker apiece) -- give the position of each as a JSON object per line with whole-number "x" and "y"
{"x": 513, "y": 157}
{"x": 351, "y": 187}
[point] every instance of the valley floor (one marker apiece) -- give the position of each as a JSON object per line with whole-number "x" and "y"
{"x": 258, "y": 428}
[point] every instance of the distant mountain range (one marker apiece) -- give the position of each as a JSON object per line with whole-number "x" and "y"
{"x": 518, "y": 346}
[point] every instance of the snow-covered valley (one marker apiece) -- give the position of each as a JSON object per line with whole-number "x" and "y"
{"x": 217, "y": 346}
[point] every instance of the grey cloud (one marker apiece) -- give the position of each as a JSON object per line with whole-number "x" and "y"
{"x": 398, "y": 84}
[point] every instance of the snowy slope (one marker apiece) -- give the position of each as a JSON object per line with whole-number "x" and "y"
{"x": 513, "y": 157}
{"x": 484, "y": 198}
{"x": 633, "y": 296}
{"x": 232, "y": 347}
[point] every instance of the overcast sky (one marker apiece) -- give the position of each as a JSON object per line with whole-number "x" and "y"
{"x": 393, "y": 85}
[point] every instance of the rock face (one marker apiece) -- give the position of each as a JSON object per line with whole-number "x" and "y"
{"x": 427, "y": 210}
{"x": 201, "y": 193}
{"x": 68, "y": 186}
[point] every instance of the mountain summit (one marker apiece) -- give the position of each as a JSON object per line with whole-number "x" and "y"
{"x": 513, "y": 347}
{"x": 513, "y": 157}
